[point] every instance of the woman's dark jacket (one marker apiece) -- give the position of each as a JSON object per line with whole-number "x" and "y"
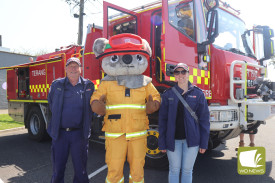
{"x": 196, "y": 134}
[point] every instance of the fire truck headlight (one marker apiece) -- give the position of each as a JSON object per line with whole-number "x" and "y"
{"x": 214, "y": 116}
{"x": 223, "y": 116}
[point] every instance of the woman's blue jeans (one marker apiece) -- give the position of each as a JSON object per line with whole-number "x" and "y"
{"x": 183, "y": 158}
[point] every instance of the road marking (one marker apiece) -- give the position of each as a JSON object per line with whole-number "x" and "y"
{"x": 1, "y": 181}
{"x": 96, "y": 172}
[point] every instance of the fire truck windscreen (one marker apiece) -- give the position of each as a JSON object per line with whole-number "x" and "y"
{"x": 231, "y": 30}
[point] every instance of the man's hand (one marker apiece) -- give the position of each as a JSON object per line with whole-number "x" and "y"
{"x": 99, "y": 106}
{"x": 152, "y": 106}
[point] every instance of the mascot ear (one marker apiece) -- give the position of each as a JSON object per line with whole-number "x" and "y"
{"x": 147, "y": 47}
{"x": 99, "y": 46}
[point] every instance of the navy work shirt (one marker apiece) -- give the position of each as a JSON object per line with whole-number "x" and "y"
{"x": 72, "y": 105}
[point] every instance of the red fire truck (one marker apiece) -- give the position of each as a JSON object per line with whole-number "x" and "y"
{"x": 226, "y": 61}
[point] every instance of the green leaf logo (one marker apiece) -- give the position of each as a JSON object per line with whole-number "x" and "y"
{"x": 251, "y": 160}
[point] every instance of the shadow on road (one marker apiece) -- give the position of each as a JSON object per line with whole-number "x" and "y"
{"x": 22, "y": 157}
{"x": 211, "y": 168}
{"x": 27, "y": 161}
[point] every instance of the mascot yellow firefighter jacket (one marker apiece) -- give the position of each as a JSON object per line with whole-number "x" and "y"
{"x": 125, "y": 108}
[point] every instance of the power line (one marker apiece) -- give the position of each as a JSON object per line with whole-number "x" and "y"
{"x": 101, "y": 6}
{"x": 99, "y": 2}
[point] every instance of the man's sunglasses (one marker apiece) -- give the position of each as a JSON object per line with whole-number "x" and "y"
{"x": 178, "y": 72}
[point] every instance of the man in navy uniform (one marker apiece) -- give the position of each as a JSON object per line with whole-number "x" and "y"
{"x": 69, "y": 127}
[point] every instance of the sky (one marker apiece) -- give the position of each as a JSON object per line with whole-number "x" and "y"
{"x": 34, "y": 26}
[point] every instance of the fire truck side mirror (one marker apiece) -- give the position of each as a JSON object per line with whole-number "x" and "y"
{"x": 264, "y": 45}
{"x": 268, "y": 42}
{"x": 212, "y": 30}
{"x": 212, "y": 26}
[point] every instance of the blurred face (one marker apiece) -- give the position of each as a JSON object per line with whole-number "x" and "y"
{"x": 73, "y": 71}
{"x": 181, "y": 75}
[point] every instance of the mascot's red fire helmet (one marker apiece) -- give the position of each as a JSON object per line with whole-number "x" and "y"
{"x": 126, "y": 43}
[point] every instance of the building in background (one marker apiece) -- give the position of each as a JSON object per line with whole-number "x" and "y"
{"x": 8, "y": 59}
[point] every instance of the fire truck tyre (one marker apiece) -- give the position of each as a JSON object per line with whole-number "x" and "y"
{"x": 216, "y": 143}
{"x": 97, "y": 123}
{"x": 213, "y": 143}
{"x": 154, "y": 158}
{"x": 36, "y": 125}
{"x": 159, "y": 163}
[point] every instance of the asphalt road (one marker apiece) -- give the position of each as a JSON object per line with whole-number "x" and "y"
{"x": 26, "y": 161}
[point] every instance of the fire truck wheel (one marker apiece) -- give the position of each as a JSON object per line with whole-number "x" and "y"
{"x": 215, "y": 144}
{"x": 36, "y": 125}
{"x": 154, "y": 158}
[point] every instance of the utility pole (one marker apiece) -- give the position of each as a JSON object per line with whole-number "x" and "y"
{"x": 80, "y": 23}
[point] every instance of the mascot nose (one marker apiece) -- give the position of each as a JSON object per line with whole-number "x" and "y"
{"x": 127, "y": 59}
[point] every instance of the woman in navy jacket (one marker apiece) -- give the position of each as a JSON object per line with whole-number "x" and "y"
{"x": 181, "y": 137}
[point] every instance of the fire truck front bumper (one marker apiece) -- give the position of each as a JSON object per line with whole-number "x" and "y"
{"x": 223, "y": 118}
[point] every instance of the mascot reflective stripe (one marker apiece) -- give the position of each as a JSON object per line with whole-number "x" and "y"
{"x": 125, "y": 106}
{"x": 128, "y": 135}
{"x": 136, "y": 134}
{"x": 130, "y": 178}
{"x": 125, "y": 97}
{"x": 113, "y": 135}
{"x": 121, "y": 180}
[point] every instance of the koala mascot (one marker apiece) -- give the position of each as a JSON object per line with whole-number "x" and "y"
{"x": 125, "y": 97}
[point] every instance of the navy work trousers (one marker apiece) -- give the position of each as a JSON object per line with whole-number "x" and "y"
{"x": 70, "y": 142}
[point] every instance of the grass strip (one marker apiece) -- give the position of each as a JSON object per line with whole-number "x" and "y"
{"x": 6, "y": 122}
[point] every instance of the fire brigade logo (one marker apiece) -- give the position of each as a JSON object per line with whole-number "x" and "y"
{"x": 38, "y": 72}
